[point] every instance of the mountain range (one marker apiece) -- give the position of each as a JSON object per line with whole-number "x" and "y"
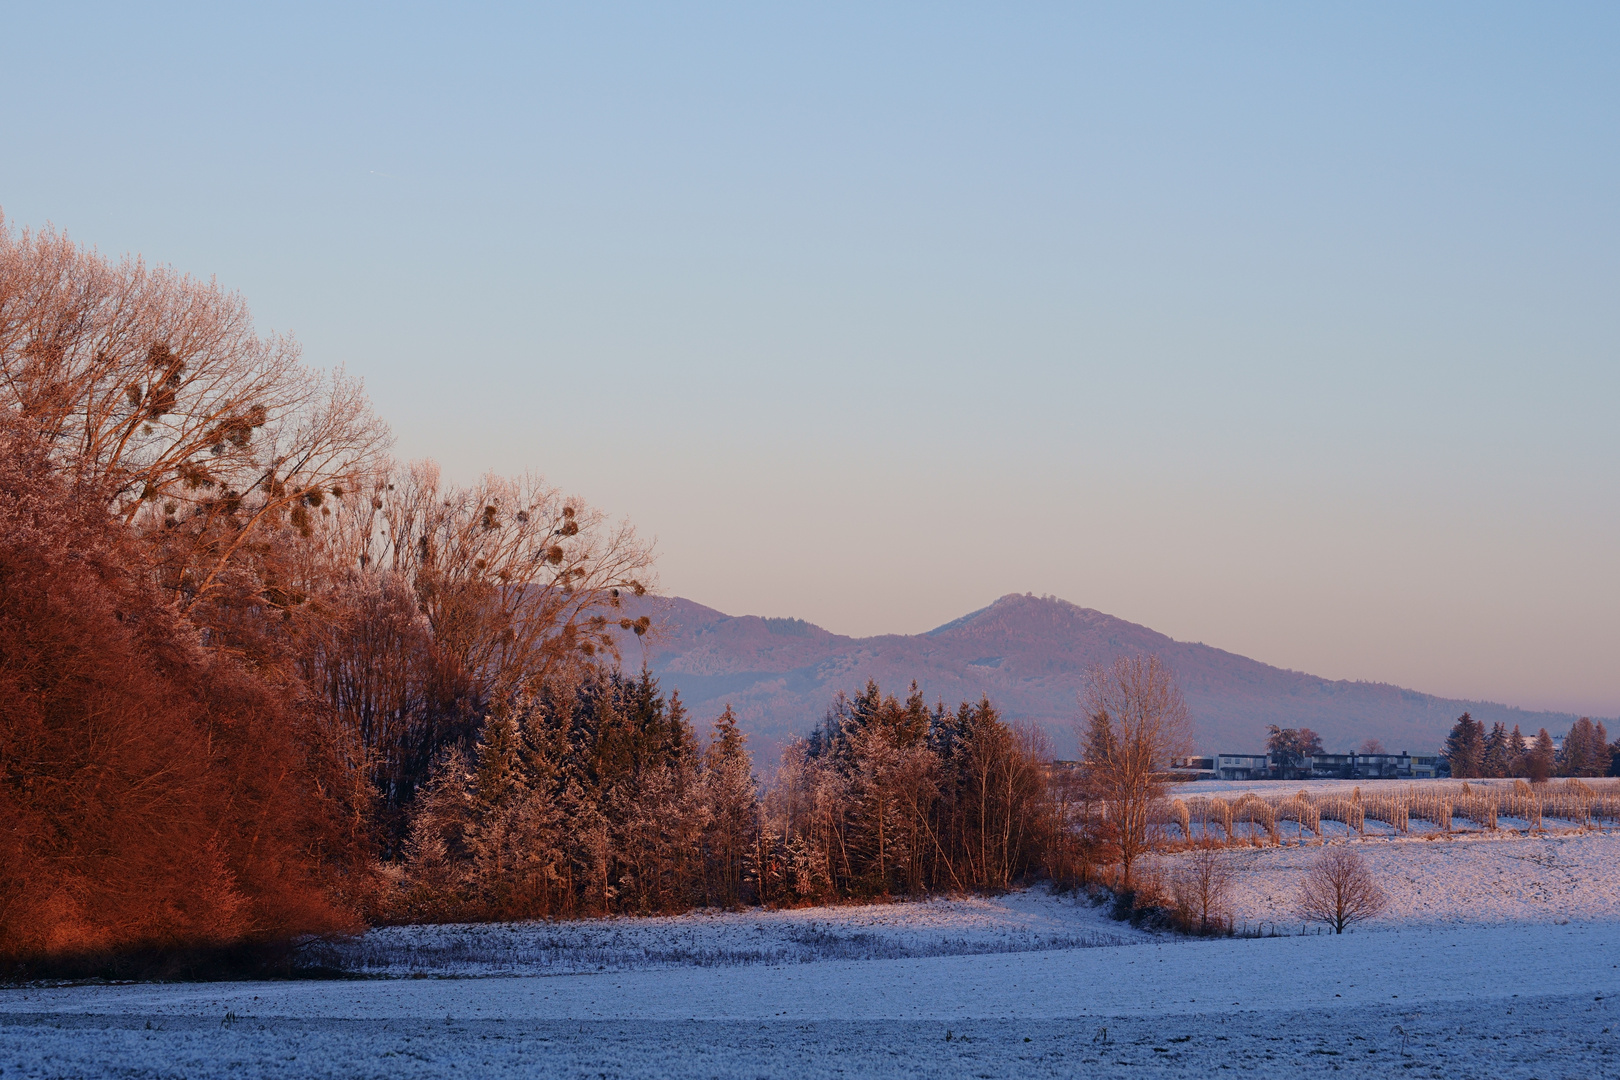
{"x": 1030, "y": 656}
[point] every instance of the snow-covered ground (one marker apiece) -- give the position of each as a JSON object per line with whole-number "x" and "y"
{"x": 1467, "y": 878}
{"x": 1500, "y": 958}
{"x": 1506, "y": 1001}
{"x": 1022, "y": 922}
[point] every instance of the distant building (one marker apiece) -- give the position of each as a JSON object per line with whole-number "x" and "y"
{"x": 1402, "y": 766}
{"x": 1193, "y": 768}
{"x": 1429, "y": 766}
{"x": 1243, "y": 766}
{"x": 1339, "y": 766}
{"x": 1528, "y": 742}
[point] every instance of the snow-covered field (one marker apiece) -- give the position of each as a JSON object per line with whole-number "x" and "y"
{"x": 1022, "y": 922}
{"x": 1437, "y": 881}
{"x": 1501, "y": 958}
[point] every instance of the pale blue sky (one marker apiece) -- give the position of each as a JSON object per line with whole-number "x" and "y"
{"x": 1291, "y": 329}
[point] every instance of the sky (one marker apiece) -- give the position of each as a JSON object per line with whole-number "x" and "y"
{"x": 1291, "y": 329}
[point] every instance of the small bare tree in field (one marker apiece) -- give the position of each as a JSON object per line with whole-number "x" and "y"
{"x": 1135, "y": 721}
{"x": 1201, "y": 891}
{"x": 1339, "y": 889}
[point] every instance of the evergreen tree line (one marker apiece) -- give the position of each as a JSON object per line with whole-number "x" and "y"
{"x": 598, "y": 797}
{"x": 1474, "y": 753}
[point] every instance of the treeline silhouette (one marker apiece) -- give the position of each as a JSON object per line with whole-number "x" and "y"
{"x": 259, "y": 680}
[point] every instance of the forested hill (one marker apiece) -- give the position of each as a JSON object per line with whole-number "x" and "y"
{"x": 1030, "y": 655}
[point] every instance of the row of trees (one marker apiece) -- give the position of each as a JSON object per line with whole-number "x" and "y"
{"x": 589, "y": 797}
{"x": 1472, "y": 752}
{"x": 892, "y": 797}
{"x": 235, "y": 636}
{"x": 599, "y": 798}
{"x": 596, "y": 796}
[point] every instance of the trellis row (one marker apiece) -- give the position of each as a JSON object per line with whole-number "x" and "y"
{"x": 1252, "y": 818}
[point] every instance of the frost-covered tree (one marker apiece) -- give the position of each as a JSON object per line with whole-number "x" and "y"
{"x": 892, "y": 797}
{"x": 731, "y": 796}
{"x": 582, "y": 798}
{"x": 1340, "y": 889}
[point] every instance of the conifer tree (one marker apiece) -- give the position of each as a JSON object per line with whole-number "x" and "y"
{"x": 1465, "y": 747}
{"x": 732, "y": 811}
{"x": 1496, "y": 761}
{"x": 1541, "y": 759}
{"x": 1585, "y": 750}
{"x": 1516, "y": 753}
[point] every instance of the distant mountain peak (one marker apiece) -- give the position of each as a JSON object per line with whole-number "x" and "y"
{"x": 1030, "y": 655}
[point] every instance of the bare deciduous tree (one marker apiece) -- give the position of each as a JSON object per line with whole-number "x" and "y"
{"x": 1201, "y": 891}
{"x": 511, "y": 575}
{"x": 1339, "y": 889}
{"x": 151, "y": 389}
{"x": 442, "y": 602}
{"x": 1135, "y": 722}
